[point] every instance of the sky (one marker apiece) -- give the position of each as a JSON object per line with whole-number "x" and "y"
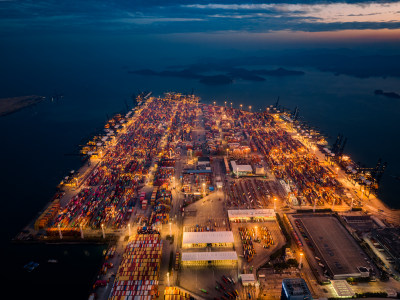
{"x": 201, "y": 20}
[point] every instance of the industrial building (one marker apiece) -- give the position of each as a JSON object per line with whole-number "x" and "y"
{"x": 248, "y": 279}
{"x": 339, "y": 252}
{"x": 227, "y": 258}
{"x": 389, "y": 239}
{"x": 251, "y": 215}
{"x": 295, "y": 289}
{"x": 208, "y": 238}
{"x": 241, "y": 170}
{"x": 363, "y": 223}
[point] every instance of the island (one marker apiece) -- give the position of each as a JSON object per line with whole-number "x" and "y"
{"x": 387, "y": 94}
{"x": 226, "y": 76}
{"x": 216, "y": 80}
{"x": 14, "y": 104}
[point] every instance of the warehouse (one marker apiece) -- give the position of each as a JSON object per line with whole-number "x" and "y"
{"x": 339, "y": 252}
{"x": 208, "y": 238}
{"x": 227, "y": 258}
{"x": 251, "y": 215}
{"x": 248, "y": 279}
{"x": 241, "y": 170}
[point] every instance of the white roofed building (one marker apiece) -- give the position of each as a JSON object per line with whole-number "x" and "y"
{"x": 208, "y": 238}
{"x": 249, "y": 215}
{"x": 209, "y": 258}
{"x": 248, "y": 279}
{"x": 241, "y": 170}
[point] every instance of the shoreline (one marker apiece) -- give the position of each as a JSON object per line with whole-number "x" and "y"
{"x": 12, "y": 105}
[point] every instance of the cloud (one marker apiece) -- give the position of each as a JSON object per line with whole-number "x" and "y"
{"x": 176, "y": 16}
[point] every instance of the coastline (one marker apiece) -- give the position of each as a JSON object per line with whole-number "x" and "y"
{"x": 14, "y": 104}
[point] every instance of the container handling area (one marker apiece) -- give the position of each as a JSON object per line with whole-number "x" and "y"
{"x": 204, "y": 201}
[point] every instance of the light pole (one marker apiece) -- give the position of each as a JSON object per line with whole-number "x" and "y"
{"x": 351, "y": 207}
{"x": 170, "y": 229}
{"x": 315, "y": 204}
{"x": 129, "y": 228}
{"x": 274, "y": 204}
{"x": 231, "y": 104}
{"x": 59, "y": 231}
{"x": 301, "y": 260}
{"x": 168, "y": 278}
{"x": 241, "y": 105}
{"x": 102, "y": 230}
{"x": 80, "y": 227}
{"x": 250, "y": 108}
{"x": 204, "y": 188}
{"x": 333, "y": 204}
{"x": 214, "y": 103}
{"x": 225, "y": 103}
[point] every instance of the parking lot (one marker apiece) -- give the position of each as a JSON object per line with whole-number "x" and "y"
{"x": 207, "y": 212}
{"x": 196, "y": 278}
{"x": 261, "y": 254}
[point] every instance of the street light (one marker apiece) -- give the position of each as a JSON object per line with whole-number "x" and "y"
{"x": 59, "y": 231}
{"x": 250, "y": 108}
{"x": 301, "y": 260}
{"x": 102, "y": 229}
{"x": 241, "y": 105}
{"x": 129, "y": 228}
{"x": 170, "y": 229}
{"x": 274, "y": 204}
{"x": 225, "y": 103}
{"x": 214, "y": 103}
{"x": 80, "y": 227}
{"x": 168, "y": 278}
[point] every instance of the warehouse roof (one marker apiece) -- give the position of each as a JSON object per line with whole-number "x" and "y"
{"x": 247, "y": 277}
{"x": 251, "y": 213}
{"x": 208, "y": 237}
{"x": 240, "y": 168}
{"x": 208, "y": 256}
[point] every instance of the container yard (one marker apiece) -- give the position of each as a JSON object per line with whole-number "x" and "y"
{"x": 139, "y": 270}
{"x": 190, "y": 195}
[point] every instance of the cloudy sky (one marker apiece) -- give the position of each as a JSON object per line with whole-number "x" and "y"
{"x": 141, "y": 32}
{"x": 198, "y": 16}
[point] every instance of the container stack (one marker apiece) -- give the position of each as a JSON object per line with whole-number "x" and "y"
{"x": 266, "y": 237}
{"x": 175, "y": 293}
{"x": 143, "y": 200}
{"x": 138, "y": 273}
{"x": 247, "y": 241}
{"x": 48, "y": 215}
{"x": 153, "y": 196}
{"x": 161, "y": 206}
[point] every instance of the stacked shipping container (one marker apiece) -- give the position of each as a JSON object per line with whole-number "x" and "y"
{"x": 137, "y": 275}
